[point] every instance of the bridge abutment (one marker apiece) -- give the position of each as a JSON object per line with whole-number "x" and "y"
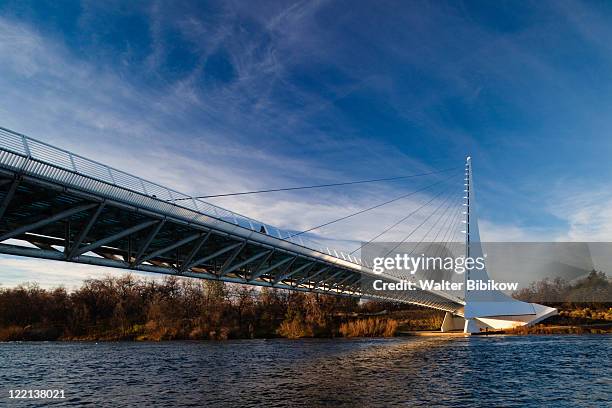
{"x": 452, "y": 323}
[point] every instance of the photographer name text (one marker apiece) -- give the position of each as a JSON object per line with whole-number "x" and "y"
{"x": 428, "y": 284}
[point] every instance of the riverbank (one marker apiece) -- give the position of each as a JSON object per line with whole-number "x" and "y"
{"x": 374, "y": 327}
{"x": 574, "y": 321}
{"x": 422, "y": 323}
{"x": 129, "y": 309}
{"x": 568, "y": 323}
{"x": 534, "y": 330}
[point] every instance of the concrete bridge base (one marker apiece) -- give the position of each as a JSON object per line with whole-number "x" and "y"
{"x": 481, "y": 324}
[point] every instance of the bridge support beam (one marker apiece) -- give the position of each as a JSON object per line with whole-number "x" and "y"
{"x": 148, "y": 241}
{"x": 244, "y": 263}
{"x": 194, "y": 252}
{"x": 214, "y": 255}
{"x": 231, "y": 258}
{"x": 311, "y": 277}
{"x": 114, "y": 237}
{"x": 169, "y": 248}
{"x": 452, "y": 323}
{"x": 286, "y": 269}
{"x": 83, "y": 234}
{"x": 255, "y": 273}
{"x": 287, "y": 275}
{"x": 9, "y": 196}
{"x": 271, "y": 268}
{"x": 56, "y": 217}
{"x": 324, "y": 280}
{"x": 472, "y": 326}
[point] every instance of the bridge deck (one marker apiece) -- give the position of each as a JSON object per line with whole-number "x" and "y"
{"x": 70, "y": 208}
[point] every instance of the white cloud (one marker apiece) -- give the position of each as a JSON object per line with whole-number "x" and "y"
{"x": 53, "y": 95}
{"x": 49, "y": 274}
{"x": 588, "y": 214}
{"x": 491, "y": 231}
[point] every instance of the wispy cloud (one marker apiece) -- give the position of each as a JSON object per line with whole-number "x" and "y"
{"x": 242, "y": 96}
{"x": 95, "y": 112}
{"x": 588, "y": 214}
{"x": 50, "y": 274}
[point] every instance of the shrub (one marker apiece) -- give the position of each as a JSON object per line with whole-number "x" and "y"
{"x": 370, "y": 327}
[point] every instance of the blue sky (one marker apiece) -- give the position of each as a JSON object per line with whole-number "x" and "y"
{"x": 210, "y": 97}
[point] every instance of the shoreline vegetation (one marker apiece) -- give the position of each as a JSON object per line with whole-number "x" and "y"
{"x": 127, "y": 308}
{"x": 584, "y": 305}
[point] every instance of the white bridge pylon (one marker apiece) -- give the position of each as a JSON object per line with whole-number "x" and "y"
{"x": 490, "y": 310}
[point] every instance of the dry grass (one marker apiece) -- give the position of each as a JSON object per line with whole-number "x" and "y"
{"x": 588, "y": 313}
{"x": 11, "y": 333}
{"x": 371, "y": 327}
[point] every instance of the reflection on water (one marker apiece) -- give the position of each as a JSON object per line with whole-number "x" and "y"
{"x": 490, "y": 371}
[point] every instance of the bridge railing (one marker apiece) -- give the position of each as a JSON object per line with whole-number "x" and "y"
{"x": 23, "y": 153}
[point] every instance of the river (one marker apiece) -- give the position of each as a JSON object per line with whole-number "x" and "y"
{"x": 508, "y": 371}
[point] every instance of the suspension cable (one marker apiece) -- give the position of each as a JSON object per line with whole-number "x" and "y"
{"x": 396, "y": 224}
{"x": 445, "y": 215}
{"x": 371, "y": 208}
{"x": 448, "y": 236}
{"x": 446, "y": 211}
{"x": 273, "y": 190}
{"x": 417, "y": 227}
{"x": 446, "y": 203}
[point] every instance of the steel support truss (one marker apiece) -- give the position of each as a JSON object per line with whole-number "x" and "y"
{"x": 74, "y": 226}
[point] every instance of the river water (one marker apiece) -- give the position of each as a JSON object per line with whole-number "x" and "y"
{"x": 508, "y": 371}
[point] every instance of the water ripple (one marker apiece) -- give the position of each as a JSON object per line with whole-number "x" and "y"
{"x": 560, "y": 371}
